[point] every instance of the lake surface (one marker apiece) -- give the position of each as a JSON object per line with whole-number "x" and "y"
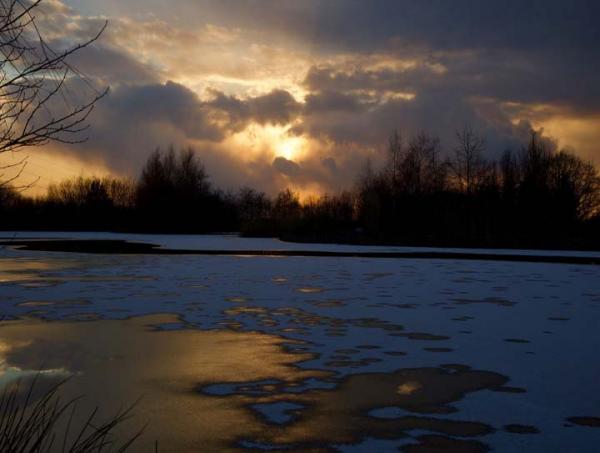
{"x": 232, "y": 353}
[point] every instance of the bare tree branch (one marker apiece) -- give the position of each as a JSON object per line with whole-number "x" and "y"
{"x": 34, "y": 79}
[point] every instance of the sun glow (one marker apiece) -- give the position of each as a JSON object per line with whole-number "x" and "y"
{"x": 271, "y": 141}
{"x": 283, "y": 143}
{"x": 581, "y": 133}
{"x": 290, "y": 147}
{"x": 45, "y": 166}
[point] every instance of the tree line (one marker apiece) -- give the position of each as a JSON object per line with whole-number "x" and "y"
{"x": 533, "y": 197}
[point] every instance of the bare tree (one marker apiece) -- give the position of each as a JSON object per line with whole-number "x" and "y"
{"x": 577, "y": 181}
{"x": 395, "y": 155}
{"x": 421, "y": 168}
{"x": 37, "y": 99}
{"x": 252, "y": 205}
{"x": 509, "y": 167}
{"x": 468, "y": 164}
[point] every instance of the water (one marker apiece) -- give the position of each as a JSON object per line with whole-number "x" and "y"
{"x": 312, "y": 354}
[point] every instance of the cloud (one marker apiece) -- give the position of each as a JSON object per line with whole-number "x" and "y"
{"x": 332, "y": 101}
{"x": 111, "y": 66}
{"x": 286, "y": 166}
{"x": 277, "y": 107}
{"x": 236, "y": 79}
{"x": 330, "y": 164}
{"x": 135, "y": 119}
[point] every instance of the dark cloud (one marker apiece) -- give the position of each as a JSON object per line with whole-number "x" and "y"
{"x": 530, "y": 51}
{"x": 439, "y": 108}
{"x": 277, "y": 107}
{"x": 286, "y": 166}
{"x": 175, "y": 105}
{"x": 330, "y": 164}
{"x": 328, "y": 100}
{"x": 112, "y": 66}
{"x": 133, "y": 120}
{"x": 169, "y": 103}
{"x": 442, "y": 24}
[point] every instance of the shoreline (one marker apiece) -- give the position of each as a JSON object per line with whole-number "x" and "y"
{"x": 123, "y": 247}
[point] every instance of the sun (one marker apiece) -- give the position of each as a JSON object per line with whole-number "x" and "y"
{"x": 271, "y": 140}
{"x": 290, "y": 147}
{"x": 283, "y": 143}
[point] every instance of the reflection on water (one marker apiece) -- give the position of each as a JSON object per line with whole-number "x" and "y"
{"x": 342, "y": 415}
{"x": 115, "y": 362}
{"x": 308, "y": 354}
{"x": 178, "y": 374}
{"x": 33, "y": 273}
{"x": 26, "y": 270}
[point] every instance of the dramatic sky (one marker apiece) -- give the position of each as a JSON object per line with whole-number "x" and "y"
{"x": 275, "y": 93}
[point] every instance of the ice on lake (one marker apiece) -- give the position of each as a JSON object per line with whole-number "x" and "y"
{"x": 294, "y": 353}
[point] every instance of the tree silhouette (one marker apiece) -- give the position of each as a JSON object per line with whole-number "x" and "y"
{"x": 538, "y": 198}
{"x": 37, "y": 99}
{"x": 468, "y": 164}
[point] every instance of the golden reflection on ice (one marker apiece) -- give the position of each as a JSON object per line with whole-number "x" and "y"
{"x": 40, "y": 273}
{"x": 341, "y": 415}
{"x": 310, "y": 290}
{"x": 408, "y": 388}
{"x": 115, "y": 362}
{"x": 19, "y": 270}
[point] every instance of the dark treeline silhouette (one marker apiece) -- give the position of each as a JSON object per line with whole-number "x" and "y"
{"x": 535, "y": 197}
{"x": 172, "y": 195}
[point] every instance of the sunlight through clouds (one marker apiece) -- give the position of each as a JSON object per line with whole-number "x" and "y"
{"x": 316, "y": 82}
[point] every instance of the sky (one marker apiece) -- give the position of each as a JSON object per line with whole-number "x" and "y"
{"x": 289, "y": 93}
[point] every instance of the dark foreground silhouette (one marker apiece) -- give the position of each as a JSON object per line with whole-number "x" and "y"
{"x": 32, "y": 419}
{"x": 534, "y": 198}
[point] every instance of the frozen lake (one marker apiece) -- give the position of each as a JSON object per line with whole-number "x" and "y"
{"x": 312, "y": 354}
